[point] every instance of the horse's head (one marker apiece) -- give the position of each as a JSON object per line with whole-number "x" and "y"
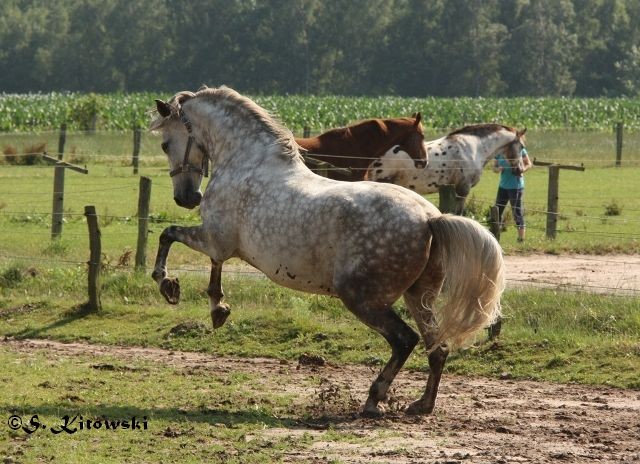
{"x": 413, "y": 142}
{"x": 513, "y": 150}
{"x": 188, "y": 157}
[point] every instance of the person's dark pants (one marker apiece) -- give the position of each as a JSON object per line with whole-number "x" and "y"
{"x": 514, "y": 197}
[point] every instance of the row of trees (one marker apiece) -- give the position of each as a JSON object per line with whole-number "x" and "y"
{"x": 356, "y": 47}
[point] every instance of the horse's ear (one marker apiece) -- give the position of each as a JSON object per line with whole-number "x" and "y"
{"x": 418, "y": 117}
{"x": 163, "y": 108}
{"x": 522, "y": 132}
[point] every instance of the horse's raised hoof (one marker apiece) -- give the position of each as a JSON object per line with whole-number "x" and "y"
{"x": 418, "y": 408}
{"x": 170, "y": 289}
{"x": 219, "y": 315}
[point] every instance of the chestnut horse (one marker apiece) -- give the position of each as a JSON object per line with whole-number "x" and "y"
{"x": 363, "y": 242}
{"x": 355, "y": 147}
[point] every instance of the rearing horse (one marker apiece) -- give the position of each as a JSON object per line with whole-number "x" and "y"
{"x": 355, "y": 147}
{"x": 363, "y": 242}
{"x": 456, "y": 159}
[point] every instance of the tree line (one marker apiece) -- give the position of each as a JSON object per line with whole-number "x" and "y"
{"x": 416, "y": 48}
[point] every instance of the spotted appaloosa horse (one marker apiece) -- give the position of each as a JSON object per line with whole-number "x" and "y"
{"x": 363, "y": 242}
{"x": 456, "y": 159}
{"x": 355, "y": 147}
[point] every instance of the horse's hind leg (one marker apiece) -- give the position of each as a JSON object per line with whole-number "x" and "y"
{"x": 402, "y": 340}
{"x": 420, "y": 298}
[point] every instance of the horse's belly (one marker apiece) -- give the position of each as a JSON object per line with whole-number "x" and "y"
{"x": 312, "y": 277}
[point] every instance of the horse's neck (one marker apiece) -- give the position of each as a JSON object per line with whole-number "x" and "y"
{"x": 376, "y": 135}
{"x": 487, "y": 147}
{"x": 232, "y": 143}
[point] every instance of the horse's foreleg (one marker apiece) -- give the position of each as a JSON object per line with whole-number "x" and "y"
{"x": 190, "y": 236}
{"x": 462, "y": 192}
{"x": 219, "y": 311}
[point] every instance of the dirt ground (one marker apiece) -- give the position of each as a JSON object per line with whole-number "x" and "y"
{"x": 477, "y": 420}
{"x": 619, "y": 274}
{"x": 614, "y": 274}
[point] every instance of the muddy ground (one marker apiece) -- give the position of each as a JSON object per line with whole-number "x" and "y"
{"x": 477, "y": 420}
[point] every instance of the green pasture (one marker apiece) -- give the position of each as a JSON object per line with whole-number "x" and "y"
{"x": 541, "y": 328}
{"x": 599, "y": 208}
{"x": 225, "y": 415}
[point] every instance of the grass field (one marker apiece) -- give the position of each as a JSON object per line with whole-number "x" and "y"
{"x": 548, "y": 335}
{"x": 599, "y": 208}
{"x": 217, "y": 416}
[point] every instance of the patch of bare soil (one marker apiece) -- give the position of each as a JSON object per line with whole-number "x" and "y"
{"x": 612, "y": 274}
{"x": 477, "y": 420}
{"x": 619, "y": 274}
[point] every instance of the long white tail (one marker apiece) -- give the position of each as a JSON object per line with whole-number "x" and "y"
{"x": 474, "y": 278}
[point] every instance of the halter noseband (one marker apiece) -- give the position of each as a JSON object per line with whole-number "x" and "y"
{"x": 186, "y": 166}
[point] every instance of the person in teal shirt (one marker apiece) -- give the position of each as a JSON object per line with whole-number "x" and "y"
{"x": 511, "y": 189}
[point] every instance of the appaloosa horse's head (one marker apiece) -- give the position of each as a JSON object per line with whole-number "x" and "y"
{"x": 513, "y": 150}
{"x": 188, "y": 160}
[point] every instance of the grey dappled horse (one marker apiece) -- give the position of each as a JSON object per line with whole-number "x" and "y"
{"x": 366, "y": 243}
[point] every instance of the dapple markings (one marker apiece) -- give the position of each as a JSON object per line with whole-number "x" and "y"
{"x": 456, "y": 159}
{"x": 363, "y": 242}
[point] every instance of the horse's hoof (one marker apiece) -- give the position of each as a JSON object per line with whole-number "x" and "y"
{"x": 418, "y": 408}
{"x": 170, "y": 289}
{"x": 374, "y": 412}
{"x": 219, "y": 315}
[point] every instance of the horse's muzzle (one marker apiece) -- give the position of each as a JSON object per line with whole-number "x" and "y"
{"x": 189, "y": 201}
{"x": 420, "y": 164}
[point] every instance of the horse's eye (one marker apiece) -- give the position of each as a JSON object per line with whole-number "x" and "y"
{"x": 165, "y": 147}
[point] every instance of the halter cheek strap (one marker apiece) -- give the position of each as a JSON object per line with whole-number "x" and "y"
{"x": 186, "y": 166}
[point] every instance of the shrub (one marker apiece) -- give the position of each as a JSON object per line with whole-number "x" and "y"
{"x": 612, "y": 209}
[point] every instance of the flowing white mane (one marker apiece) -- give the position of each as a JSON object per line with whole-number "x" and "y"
{"x": 235, "y": 105}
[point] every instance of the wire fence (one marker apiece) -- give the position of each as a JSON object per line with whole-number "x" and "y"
{"x": 30, "y": 207}
{"x": 248, "y": 271}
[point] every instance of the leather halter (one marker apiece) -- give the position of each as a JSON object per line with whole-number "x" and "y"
{"x": 186, "y": 166}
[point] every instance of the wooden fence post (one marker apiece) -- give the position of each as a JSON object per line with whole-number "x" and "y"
{"x": 494, "y": 222}
{"x": 58, "y": 192}
{"x": 493, "y": 331}
{"x": 58, "y": 202}
{"x": 136, "y": 149}
{"x": 144, "y": 197}
{"x": 447, "y": 195}
{"x": 94, "y": 258}
{"x": 62, "y": 139}
{"x": 553, "y": 192}
{"x": 552, "y": 201}
{"x": 306, "y": 132}
{"x": 619, "y": 131}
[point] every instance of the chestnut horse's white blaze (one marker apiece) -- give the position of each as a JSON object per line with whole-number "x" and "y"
{"x": 365, "y": 243}
{"x": 456, "y": 159}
